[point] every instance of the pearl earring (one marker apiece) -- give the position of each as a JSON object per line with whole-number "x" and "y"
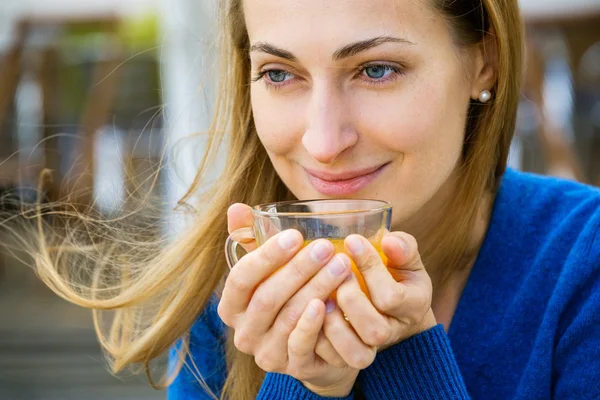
{"x": 485, "y": 96}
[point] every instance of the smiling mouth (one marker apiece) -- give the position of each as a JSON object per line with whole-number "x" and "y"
{"x": 344, "y": 183}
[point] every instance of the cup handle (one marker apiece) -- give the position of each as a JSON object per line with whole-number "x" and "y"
{"x": 233, "y": 241}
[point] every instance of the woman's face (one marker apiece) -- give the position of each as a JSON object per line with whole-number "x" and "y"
{"x": 361, "y": 98}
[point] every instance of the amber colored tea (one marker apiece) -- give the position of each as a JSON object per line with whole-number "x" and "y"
{"x": 338, "y": 245}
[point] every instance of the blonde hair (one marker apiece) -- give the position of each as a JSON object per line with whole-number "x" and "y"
{"x": 156, "y": 296}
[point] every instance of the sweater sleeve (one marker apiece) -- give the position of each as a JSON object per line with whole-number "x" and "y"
{"x": 422, "y": 367}
{"x": 207, "y": 349}
{"x": 280, "y": 387}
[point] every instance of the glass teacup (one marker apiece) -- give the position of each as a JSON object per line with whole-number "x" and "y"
{"x": 332, "y": 219}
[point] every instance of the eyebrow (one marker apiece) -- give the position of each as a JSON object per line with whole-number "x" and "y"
{"x": 355, "y": 48}
{"x": 344, "y": 52}
{"x": 270, "y": 49}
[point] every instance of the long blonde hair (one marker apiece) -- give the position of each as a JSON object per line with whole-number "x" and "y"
{"x": 155, "y": 296}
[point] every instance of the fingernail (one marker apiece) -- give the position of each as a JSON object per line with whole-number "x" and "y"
{"x": 355, "y": 245}
{"x": 312, "y": 312}
{"x": 320, "y": 251}
{"x": 329, "y": 306}
{"x": 402, "y": 244}
{"x": 337, "y": 266}
{"x": 287, "y": 240}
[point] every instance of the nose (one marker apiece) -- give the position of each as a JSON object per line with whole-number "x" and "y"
{"x": 329, "y": 131}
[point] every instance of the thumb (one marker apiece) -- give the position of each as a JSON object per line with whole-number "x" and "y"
{"x": 240, "y": 216}
{"x": 402, "y": 252}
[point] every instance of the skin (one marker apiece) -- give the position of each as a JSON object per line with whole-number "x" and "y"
{"x": 402, "y": 104}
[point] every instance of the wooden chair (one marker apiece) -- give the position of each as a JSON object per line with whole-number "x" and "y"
{"x": 560, "y": 157}
{"x": 44, "y": 62}
{"x": 580, "y": 32}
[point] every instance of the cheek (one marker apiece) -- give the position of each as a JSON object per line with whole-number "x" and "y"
{"x": 278, "y": 123}
{"x": 419, "y": 123}
{"x": 424, "y": 123}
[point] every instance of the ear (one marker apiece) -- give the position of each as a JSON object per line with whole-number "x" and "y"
{"x": 485, "y": 65}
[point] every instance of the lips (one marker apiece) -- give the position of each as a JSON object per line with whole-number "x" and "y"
{"x": 343, "y": 183}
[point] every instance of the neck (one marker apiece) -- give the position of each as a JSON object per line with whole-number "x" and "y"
{"x": 448, "y": 288}
{"x": 458, "y": 278}
{"x": 428, "y": 219}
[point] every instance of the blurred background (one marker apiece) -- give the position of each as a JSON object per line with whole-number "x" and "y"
{"x": 96, "y": 90}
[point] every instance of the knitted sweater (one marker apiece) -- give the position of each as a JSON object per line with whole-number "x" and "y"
{"x": 526, "y": 326}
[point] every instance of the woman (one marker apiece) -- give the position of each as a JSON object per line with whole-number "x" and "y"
{"x": 491, "y": 290}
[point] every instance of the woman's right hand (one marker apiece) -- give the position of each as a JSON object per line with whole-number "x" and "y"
{"x": 271, "y": 313}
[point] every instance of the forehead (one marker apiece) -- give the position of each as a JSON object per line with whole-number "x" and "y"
{"x": 320, "y": 22}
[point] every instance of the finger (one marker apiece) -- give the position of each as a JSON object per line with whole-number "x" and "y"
{"x": 240, "y": 216}
{"x": 296, "y": 296}
{"x": 254, "y": 268}
{"x": 377, "y": 278}
{"x": 402, "y": 251}
{"x": 345, "y": 341}
{"x": 326, "y": 280}
{"x": 372, "y": 327}
{"x": 325, "y": 350}
{"x": 410, "y": 298}
{"x": 271, "y": 300}
{"x": 404, "y": 261}
{"x": 303, "y": 340}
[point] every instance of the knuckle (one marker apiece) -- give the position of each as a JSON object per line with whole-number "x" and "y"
{"x": 406, "y": 237}
{"x": 332, "y": 327}
{"x": 300, "y": 270}
{"x": 356, "y": 361}
{"x": 339, "y": 362}
{"x": 263, "y": 302}
{"x": 295, "y": 348}
{"x": 243, "y": 342}
{"x": 237, "y": 283}
{"x": 362, "y": 359}
{"x": 378, "y": 336}
{"x": 267, "y": 253}
{"x": 371, "y": 260}
{"x": 389, "y": 300}
{"x": 412, "y": 243}
{"x": 409, "y": 239}
{"x": 415, "y": 261}
{"x": 330, "y": 355}
{"x": 224, "y": 315}
{"x": 347, "y": 298}
{"x": 288, "y": 320}
{"x": 321, "y": 286}
{"x": 266, "y": 361}
{"x": 323, "y": 347}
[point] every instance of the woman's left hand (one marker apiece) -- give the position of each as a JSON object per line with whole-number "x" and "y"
{"x": 401, "y": 292}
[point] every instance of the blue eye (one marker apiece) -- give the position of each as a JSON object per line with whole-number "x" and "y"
{"x": 277, "y": 75}
{"x": 378, "y": 71}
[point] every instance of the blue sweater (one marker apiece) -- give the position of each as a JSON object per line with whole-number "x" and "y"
{"x": 526, "y": 327}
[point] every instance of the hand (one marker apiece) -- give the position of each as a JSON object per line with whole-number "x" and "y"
{"x": 400, "y": 305}
{"x": 271, "y": 315}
